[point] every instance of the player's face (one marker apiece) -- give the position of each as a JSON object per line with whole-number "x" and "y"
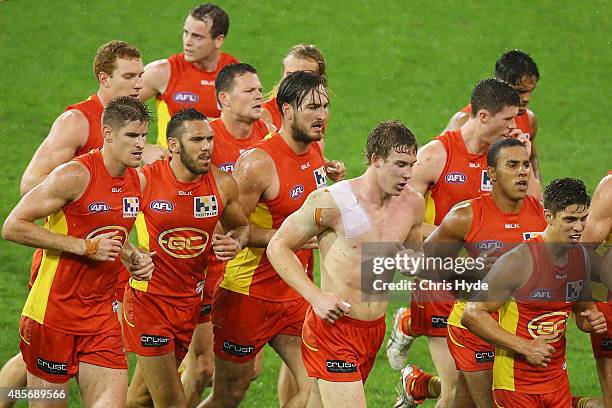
{"x": 501, "y": 124}
{"x": 246, "y": 97}
{"x": 196, "y": 145}
{"x": 126, "y": 79}
{"x": 128, "y": 143}
{"x": 394, "y": 172}
{"x": 525, "y": 89}
{"x": 308, "y": 119}
{"x": 512, "y": 172}
{"x": 295, "y": 64}
{"x": 569, "y": 224}
{"x": 198, "y": 42}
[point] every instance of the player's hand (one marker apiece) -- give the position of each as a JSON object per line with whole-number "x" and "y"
{"x": 311, "y": 244}
{"x": 140, "y": 265}
{"x": 330, "y": 307}
{"x": 152, "y": 153}
{"x": 407, "y": 253}
{"x": 225, "y": 247}
{"x": 522, "y": 137}
{"x": 335, "y": 170}
{"x": 539, "y": 352}
{"x": 596, "y": 319}
{"x": 103, "y": 247}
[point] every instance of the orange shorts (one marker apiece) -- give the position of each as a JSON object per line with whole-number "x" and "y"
{"x": 602, "y": 343}
{"x": 560, "y": 398}
{"x": 470, "y": 352}
{"x": 155, "y": 325}
{"x": 55, "y": 356}
{"x": 243, "y": 324}
{"x": 429, "y": 312}
{"x": 213, "y": 274}
{"x": 122, "y": 281}
{"x": 340, "y": 352}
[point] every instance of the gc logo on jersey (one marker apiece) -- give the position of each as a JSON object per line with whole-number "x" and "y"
{"x": 205, "y": 206}
{"x": 130, "y": 207}
{"x": 185, "y": 97}
{"x": 184, "y": 242}
{"x": 573, "y": 290}
{"x": 549, "y": 323}
{"x": 320, "y": 177}
{"x": 121, "y": 233}
{"x": 485, "y": 182}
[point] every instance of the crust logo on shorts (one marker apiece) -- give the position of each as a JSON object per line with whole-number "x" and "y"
{"x": 205, "y": 309}
{"x": 52, "y": 367}
{"x": 237, "y": 349}
{"x": 485, "y": 356}
{"x": 151, "y": 340}
{"x": 205, "y": 206}
{"x": 439, "y": 322}
{"x": 549, "y": 323}
{"x": 121, "y": 236}
{"x": 184, "y": 242}
{"x": 340, "y": 366}
{"x": 606, "y": 344}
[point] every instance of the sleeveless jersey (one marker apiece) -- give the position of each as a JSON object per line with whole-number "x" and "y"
{"x": 464, "y": 175}
{"x": 71, "y": 293}
{"x": 541, "y": 306}
{"x": 522, "y": 120}
{"x": 227, "y": 149}
{"x": 179, "y": 222}
{"x": 189, "y": 87}
{"x": 493, "y": 229}
{"x": 251, "y": 273}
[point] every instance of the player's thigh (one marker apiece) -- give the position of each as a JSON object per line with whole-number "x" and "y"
{"x": 138, "y": 395}
{"x": 14, "y": 373}
{"x": 102, "y": 386}
{"x": 162, "y": 378}
{"x": 342, "y": 394}
{"x": 289, "y": 348}
{"x": 231, "y": 376}
{"x": 202, "y": 341}
{"x": 445, "y": 365}
{"x": 35, "y": 383}
{"x": 314, "y": 400}
{"x": 604, "y": 370}
{"x": 480, "y": 384}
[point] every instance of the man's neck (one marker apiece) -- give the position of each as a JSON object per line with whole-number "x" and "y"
{"x": 505, "y": 203}
{"x": 369, "y": 190}
{"x": 180, "y": 171}
{"x": 113, "y": 166}
{"x": 473, "y": 138}
{"x": 104, "y": 96}
{"x": 208, "y": 63}
{"x": 239, "y": 129}
{"x": 555, "y": 247}
{"x": 295, "y": 145}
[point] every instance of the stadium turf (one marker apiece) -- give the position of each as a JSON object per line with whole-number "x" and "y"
{"x": 415, "y": 61}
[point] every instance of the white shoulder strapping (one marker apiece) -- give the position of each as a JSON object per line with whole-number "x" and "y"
{"x": 354, "y": 217}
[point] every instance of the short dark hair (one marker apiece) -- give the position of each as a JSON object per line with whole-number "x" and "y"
{"x": 561, "y": 193}
{"x": 493, "y": 95}
{"x": 225, "y": 78}
{"x": 108, "y": 54}
{"x": 216, "y": 15}
{"x": 389, "y": 135}
{"x": 496, "y": 148}
{"x": 124, "y": 109}
{"x": 514, "y": 65}
{"x": 180, "y": 117}
{"x": 294, "y": 88}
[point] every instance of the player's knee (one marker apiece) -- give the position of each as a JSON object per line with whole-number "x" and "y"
{"x": 204, "y": 369}
{"x": 256, "y": 371}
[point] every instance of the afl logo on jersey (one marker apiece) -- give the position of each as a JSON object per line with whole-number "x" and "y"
{"x": 98, "y": 207}
{"x": 549, "y": 323}
{"x": 184, "y": 242}
{"x": 296, "y": 192}
{"x": 121, "y": 235}
{"x": 162, "y": 206}
{"x": 228, "y": 166}
{"x": 489, "y": 244}
{"x": 455, "y": 177}
{"x": 186, "y": 97}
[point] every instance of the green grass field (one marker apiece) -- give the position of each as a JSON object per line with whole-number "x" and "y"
{"x": 415, "y": 61}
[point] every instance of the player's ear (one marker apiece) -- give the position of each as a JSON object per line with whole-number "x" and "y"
{"x": 219, "y": 40}
{"x": 548, "y": 215}
{"x": 173, "y": 145}
{"x": 483, "y": 115}
{"x": 288, "y": 111}
{"x": 223, "y": 98}
{"x": 376, "y": 160}
{"x": 107, "y": 133}
{"x": 103, "y": 79}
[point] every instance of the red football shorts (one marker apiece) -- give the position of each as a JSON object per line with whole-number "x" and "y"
{"x": 214, "y": 273}
{"x": 429, "y": 312}
{"x": 602, "y": 343}
{"x": 470, "y": 352}
{"x": 55, "y": 356}
{"x": 122, "y": 281}
{"x": 561, "y": 398}
{"x": 243, "y": 324}
{"x": 340, "y": 352}
{"x": 156, "y": 325}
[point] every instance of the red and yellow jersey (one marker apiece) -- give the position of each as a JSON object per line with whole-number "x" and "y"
{"x": 92, "y": 109}
{"x": 493, "y": 229}
{"x": 522, "y": 120}
{"x": 189, "y": 87}
{"x": 178, "y": 224}
{"x": 227, "y": 148}
{"x": 464, "y": 177}
{"x": 541, "y": 306}
{"x": 251, "y": 273}
{"x": 71, "y": 293}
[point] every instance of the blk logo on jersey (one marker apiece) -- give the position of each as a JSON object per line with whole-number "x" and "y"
{"x": 130, "y": 207}
{"x": 455, "y": 177}
{"x": 151, "y": 340}
{"x": 512, "y": 226}
{"x": 52, "y": 367}
{"x": 296, "y": 192}
{"x": 163, "y": 206}
{"x": 340, "y": 366}
{"x": 485, "y": 182}
{"x": 573, "y": 290}
{"x": 320, "y": 177}
{"x": 205, "y": 206}
{"x": 186, "y": 97}
{"x": 98, "y": 207}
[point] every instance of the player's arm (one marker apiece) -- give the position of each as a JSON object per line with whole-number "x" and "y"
{"x": 233, "y": 220}
{"x": 254, "y": 173}
{"x": 457, "y": 120}
{"x": 535, "y": 163}
{"x": 506, "y": 276}
{"x": 65, "y": 184}
{"x": 307, "y": 222}
{"x": 588, "y": 318}
{"x": 155, "y": 79}
{"x": 68, "y": 134}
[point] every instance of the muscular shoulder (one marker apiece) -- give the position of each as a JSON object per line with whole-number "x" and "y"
{"x": 459, "y": 218}
{"x": 533, "y": 122}
{"x": 514, "y": 267}
{"x": 431, "y": 159}
{"x": 72, "y": 121}
{"x": 457, "y": 120}
{"x": 603, "y": 194}
{"x": 413, "y": 200}
{"x": 157, "y": 74}
{"x": 68, "y": 180}
{"x": 255, "y": 160}
{"x": 433, "y": 151}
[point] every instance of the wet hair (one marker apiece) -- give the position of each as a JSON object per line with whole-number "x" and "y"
{"x": 227, "y": 75}
{"x": 176, "y": 122}
{"x": 123, "y": 110}
{"x": 215, "y": 14}
{"x": 514, "y": 65}
{"x": 387, "y": 136}
{"x": 108, "y": 54}
{"x": 562, "y": 193}
{"x": 493, "y": 95}
{"x": 296, "y": 86}
{"x": 496, "y": 148}
{"x": 305, "y": 52}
